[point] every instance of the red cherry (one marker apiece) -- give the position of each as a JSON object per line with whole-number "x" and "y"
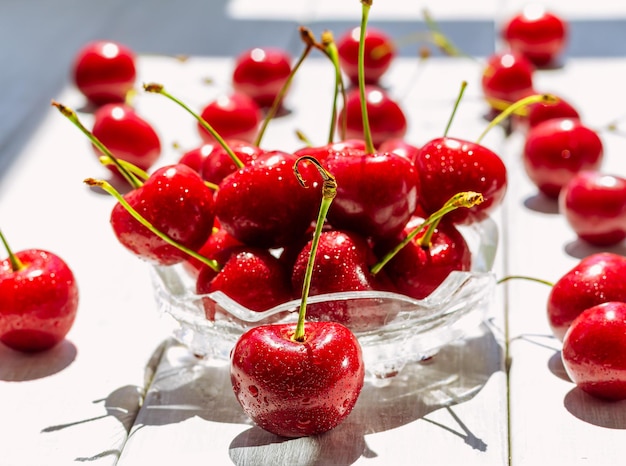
{"x": 104, "y": 71}
{"x": 292, "y": 388}
{"x": 447, "y": 166}
{"x": 38, "y": 300}
{"x": 127, "y": 135}
{"x": 261, "y": 73}
{"x": 378, "y": 54}
{"x": 596, "y": 279}
{"x": 252, "y": 277}
{"x": 376, "y": 193}
{"x": 594, "y": 205}
{"x": 217, "y": 164}
{"x": 417, "y": 269}
{"x": 263, "y": 204}
{"x": 539, "y": 112}
{"x": 218, "y": 247}
{"x": 507, "y": 78}
{"x": 177, "y": 203}
{"x": 321, "y": 153}
{"x": 399, "y": 146}
{"x": 194, "y": 158}
{"x": 556, "y": 149}
{"x": 234, "y": 116}
{"x": 537, "y": 34}
{"x": 386, "y": 118}
{"x": 594, "y": 351}
{"x": 342, "y": 263}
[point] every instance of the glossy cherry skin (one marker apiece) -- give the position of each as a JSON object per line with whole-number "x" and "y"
{"x": 379, "y": 52}
{"x": 540, "y": 111}
{"x": 38, "y": 303}
{"x": 594, "y": 205}
{"x": 594, "y": 280}
{"x": 343, "y": 263}
{"x": 232, "y": 116}
{"x": 218, "y": 247}
{"x": 387, "y": 120}
{"x": 194, "y": 158}
{"x": 217, "y": 164}
{"x": 321, "y": 153}
{"x": 401, "y": 147}
{"x": 127, "y": 135}
{"x": 263, "y": 204}
{"x": 447, "y": 166}
{"x": 252, "y": 277}
{"x": 261, "y": 73}
{"x": 417, "y": 270}
{"x": 295, "y": 389}
{"x": 176, "y": 202}
{"x": 506, "y": 78}
{"x": 556, "y": 149}
{"x": 594, "y": 351}
{"x": 376, "y": 193}
{"x": 104, "y": 71}
{"x": 539, "y": 35}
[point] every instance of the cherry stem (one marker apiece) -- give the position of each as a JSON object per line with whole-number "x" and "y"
{"x": 465, "y": 199}
{"x": 330, "y": 49}
{"x": 16, "y": 263}
{"x": 304, "y": 138}
{"x": 106, "y": 186}
{"x": 329, "y": 191}
{"x": 159, "y": 89}
{"x": 71, "y": 115}
{"x": 134, "y": 169}
{"x": 456, "y": 106}
{"x": 439, "y": 38}
{"x": 309, "y": 40}
{"x": 524, "y": 277}
{"x": 515, "y": 107}
{"x": 367, "y": 132}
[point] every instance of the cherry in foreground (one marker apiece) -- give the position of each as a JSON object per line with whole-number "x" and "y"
{"x": 38, "y": 299}
{"x": 594, "y": 351}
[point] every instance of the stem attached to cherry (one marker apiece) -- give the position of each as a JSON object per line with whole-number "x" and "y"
{"x": 16, "y": 263}
{"x": 367, "y": 132}
{"x": 456, "y": 106}
{"x": 106, "y": 186}
{"x": 465, "y": 199}
{"x": 329, "y": 47}
{"x": 525, "y": 277}
{"x": 329, "y": 191}
{"x": 159, "y": 89}
{"x": 122, "y": 167}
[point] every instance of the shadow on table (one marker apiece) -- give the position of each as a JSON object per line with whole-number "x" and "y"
{"x": 17, "y": 366}
{"x": 581, "y": 249}
{"x": 608, "y": 414}
{"x": 542, "y": 204}
{"x": 184, "y": 388}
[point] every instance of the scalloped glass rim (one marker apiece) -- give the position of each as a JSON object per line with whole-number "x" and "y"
{"x": 415, "y": 330}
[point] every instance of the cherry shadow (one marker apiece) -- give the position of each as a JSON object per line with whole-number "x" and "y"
{"x": 18, "y": 367}
{"x": 581, "y": 249}
{"x": 602, "y": 413}
{"x": 542, "y": 204}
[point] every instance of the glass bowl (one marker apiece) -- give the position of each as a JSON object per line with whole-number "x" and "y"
{"x": 414, "y": 331}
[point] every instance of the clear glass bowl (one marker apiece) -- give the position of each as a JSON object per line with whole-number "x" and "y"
{"x": 415, "y": 330}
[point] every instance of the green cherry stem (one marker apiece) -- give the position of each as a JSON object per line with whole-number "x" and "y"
{"x": 456, "y": 106}
{"x": 515, "y": 107}
{"x": 159, "y": 89}
{"x": 107, "y": 187}
{"x": 330, "y": 49}
{"x": 134, "y": 169}
{"x": 71, "y": 115}
{"x": 367, "y": 132}
{"x": 525, "y": 277}
{"x": 465, "y": 199}
{"x": 309, "y": 43}
{"x": 329, "y": 191}
{"x": 16, "y": 263}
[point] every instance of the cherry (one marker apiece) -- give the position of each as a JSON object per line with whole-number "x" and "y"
{"x": 104, "y": 71}
{"x": 594, "y": 351}
{"x": 386, "y": 118}
{"x": 176, "y": 202}
{"x": 537, "y": 34}
{"x": 507, "y": 77}
{"x": 399, "y": 146}
{"x": 542, "y": 111}
{"x": 261, "y": 73}
{"x": 218, "y": 163}
{"x": 556, "y": 149}
{"x": 321, "y": 153}
{"x": 262, "y": 204}
{"x": 447, "y": 166}
{"x": 233, "y": 116}
{"x": 252, "y": 277}
{"x": 379, "y": 54}
{"x": 218, "y": 247}
{"x": 426, "y": 261}
{"x": 38, "y": 299}
{"x": 594, "y": 205}
{"x": 596, "y": 279}
{"x": 127, "y": 135}
{"x": 194, "y": 158}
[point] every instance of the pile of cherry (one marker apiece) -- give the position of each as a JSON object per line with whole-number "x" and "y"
{"x": 242, "y": 218}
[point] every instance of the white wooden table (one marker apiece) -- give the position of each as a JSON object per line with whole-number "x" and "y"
{"x": 119, "y": 391}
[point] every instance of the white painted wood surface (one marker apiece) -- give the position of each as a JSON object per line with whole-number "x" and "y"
{"x": 77, "y": 403}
